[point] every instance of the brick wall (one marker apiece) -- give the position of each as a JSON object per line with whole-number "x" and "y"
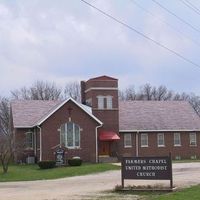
{"x": 109, "y": 117}
{"x": 21, "y": 152}
{"x": 101, "y": 83}
{"x": 51, "y": 135}
{"x": 185, "y": 151}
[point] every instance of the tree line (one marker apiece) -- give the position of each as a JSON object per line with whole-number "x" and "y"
{"x": 41, "y": 90}
{"x": 148, "y": 92}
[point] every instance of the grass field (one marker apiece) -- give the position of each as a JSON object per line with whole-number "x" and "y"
{"x": 185, "y": 161}
{"x": 192, "y": 193}
{"x": 33, "y": 172}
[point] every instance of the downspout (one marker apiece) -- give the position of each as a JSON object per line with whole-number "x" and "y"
{"x": 35, "y": 142}
{"x": 96, "y": 132}
{"x": 40, "y": 142}
{"x": 137, "y": 146}
{"x": 14, "y": 144}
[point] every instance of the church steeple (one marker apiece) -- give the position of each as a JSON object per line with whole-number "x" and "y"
{"x": 101, "y": 93}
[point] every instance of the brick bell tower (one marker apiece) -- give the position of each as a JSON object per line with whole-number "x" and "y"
{"x": 101, "y": 94}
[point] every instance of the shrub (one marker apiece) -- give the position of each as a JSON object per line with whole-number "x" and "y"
{"x": 75, "y": 161}
{"x": 47, "y": 164}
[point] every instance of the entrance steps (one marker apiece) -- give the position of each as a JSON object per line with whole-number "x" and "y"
{"x": 107, "y": 159}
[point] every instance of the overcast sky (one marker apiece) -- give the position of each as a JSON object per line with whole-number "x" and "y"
{"x": 66, "y": 40}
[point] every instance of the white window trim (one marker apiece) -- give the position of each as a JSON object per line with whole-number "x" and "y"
{"x": 74, "y": 146}
{"x": 105, "y": 102}
{"x": 163, "y": 135}
{"x": 65, "y": 133}
{"x": 32, "y": 143}
{"x": 125, "y": 145}
{"x": 144, "y": 134}
{"x": 100, "y": 106}
{"x": 177, "y": 145}
{"x": 109, "y": 106}
{"x": 195, "y": 134}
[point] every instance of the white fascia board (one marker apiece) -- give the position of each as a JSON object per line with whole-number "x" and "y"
{"x": 64, "y": 102}
{"x": 174, "y": 130}
{"x": 24, "y": 126}
{"x": 101, "y": 88}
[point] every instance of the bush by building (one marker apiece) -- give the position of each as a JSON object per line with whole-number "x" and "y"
{"x": 47, "y": 164}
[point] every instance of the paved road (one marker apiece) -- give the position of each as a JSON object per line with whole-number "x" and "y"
{"x": 185, "y": 174}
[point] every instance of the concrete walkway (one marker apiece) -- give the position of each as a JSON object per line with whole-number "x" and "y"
{"x": 185, "y": 174}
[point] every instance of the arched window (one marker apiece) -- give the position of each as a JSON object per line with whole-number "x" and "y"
{"x": 70, "y": 135}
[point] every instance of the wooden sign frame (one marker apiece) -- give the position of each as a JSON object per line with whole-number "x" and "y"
{"x": 147, "y": 168}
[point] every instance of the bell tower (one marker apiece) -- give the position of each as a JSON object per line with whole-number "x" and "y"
{"x": 101, "y": 94}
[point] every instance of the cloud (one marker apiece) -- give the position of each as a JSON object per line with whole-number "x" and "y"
{"x": 67, "y": 40}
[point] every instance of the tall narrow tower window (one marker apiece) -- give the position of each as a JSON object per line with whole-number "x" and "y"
{"x": 100, "y": 102}
{"x": 109, "y": 102}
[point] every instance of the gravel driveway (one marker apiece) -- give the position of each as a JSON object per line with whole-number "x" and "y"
{"x": 79, "y": 187}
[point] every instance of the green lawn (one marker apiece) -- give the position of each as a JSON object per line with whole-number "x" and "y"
{"x": 32, "y": 172}
{"x": 192, "y": 193}
{"x": 185, "y": 161}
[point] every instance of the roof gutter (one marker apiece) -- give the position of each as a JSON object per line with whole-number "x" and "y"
{"x": 24, "y": 126}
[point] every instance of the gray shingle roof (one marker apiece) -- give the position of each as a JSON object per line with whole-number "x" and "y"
{"x": 27, "y": 113}
{"x": 157, "y": 115}
{"x": 133, "y": 115}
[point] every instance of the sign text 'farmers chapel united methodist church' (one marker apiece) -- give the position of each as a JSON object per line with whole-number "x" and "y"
{"x": 153, "y": 168}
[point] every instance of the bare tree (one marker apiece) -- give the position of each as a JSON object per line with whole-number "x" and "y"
{"x": 121, "y": 95}
{"x": 6, "y": 152}
{"x": 195, "y": 102}
{"x": 7, "y": 145}
{"x": 130, "y": 93}
{"x": 145, "y": 92}
{"x": 45, "y": 91}
{"x": 73, "y": 89}
{"x": 6, "y": 136}
{"x": 4, "y": 116}
{"x": 161, "y": 93}
{"x": 127, "y": 94}
{"x": 40, "y": 90}
{"x": 22, "y": 93}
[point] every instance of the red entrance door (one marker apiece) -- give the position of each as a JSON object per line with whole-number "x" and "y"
{"x": 104, "y": 148}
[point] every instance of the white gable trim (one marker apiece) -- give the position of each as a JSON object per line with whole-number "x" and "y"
{"x": 63, "y": 103}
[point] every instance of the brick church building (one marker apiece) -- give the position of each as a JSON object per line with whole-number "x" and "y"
{"x": 102, "y": 127}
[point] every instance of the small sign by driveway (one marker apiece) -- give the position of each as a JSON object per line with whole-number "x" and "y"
{"x": 147, "y": 168}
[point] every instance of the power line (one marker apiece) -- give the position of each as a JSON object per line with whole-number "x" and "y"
{"x": 179, "y": 18}
{"x": 168, "y": 24}
{"x": 190, "y": 7}
{"x": 141, "y": 34}
{"x": 193, "y": 5}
